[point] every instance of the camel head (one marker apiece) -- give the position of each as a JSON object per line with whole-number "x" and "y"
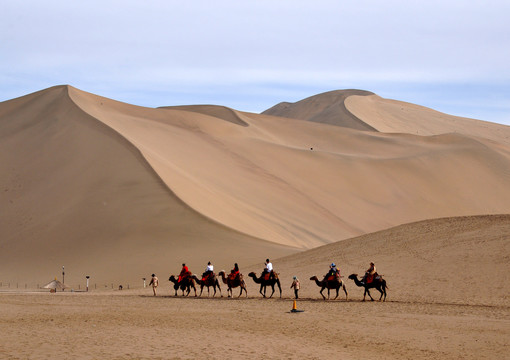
{"x": 314, "y": 278}
{"x": 252, "y": 274}
{"x": 353, "y": 276}
{"x": 172, "y": 278}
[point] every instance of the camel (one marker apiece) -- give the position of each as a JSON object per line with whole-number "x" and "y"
{"x": 186, "y": 284}
{"x": 336, "y": 284}
{"x": 378, "y": 284}
{"x": 233, "y": 283}
{"x": 209, "y": 281}
{"x": 263, "y": 283}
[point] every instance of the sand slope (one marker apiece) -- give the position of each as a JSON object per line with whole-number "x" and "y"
{"x": 75, "y": 193}
{"x": 392, "y": 116}
{"x": 327, "y": 108}
{"x": 126, "y": 190}
{"x": 441, "y": 261}
{"x": 443, "y": 303}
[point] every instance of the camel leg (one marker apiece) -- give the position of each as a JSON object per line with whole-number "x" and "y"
{"x": 368, "y": 292}
{"x": 336, "y": 293}
{"x": 272, "y": 288}
{"x": 345, "y": 291}
{"x": 262, "y": 293}
{"x": 323, "y": 297}
{"x": 379, "y": 289}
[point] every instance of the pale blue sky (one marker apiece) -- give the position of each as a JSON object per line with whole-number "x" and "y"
{"x": 453, "y": 56}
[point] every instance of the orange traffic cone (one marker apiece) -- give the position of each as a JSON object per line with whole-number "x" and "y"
{"x": 294, "y": 308}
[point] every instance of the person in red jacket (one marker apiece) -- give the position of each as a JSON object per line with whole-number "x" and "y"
{"x": 234, "y": 272}
{"x": 184, "y": 273}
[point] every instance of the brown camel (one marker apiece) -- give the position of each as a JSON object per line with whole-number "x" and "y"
{"x": 264, "y": 283}
{"x": 209, "y": 281}
{"x": 233, "y": 283}
{"x": 378, "y": 283}
{"x": 185, "y": 284}
{"x": 336, "y": 284}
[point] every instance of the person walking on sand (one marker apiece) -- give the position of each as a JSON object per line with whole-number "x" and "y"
{"x": 296, "y": 286}
{"x": 154, "y": 282}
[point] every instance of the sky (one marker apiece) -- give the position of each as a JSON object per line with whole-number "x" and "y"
{"x": 452, "y": 56}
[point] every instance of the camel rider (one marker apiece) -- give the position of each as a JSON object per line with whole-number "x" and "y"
{"x": 333, "y": 271}
{"x": 184, "y": 273}
{"x": 268, "y": 269}
{"x": 234, "y": 272}
{"x": 208, "y": 270}
{"x": 370, "y": 273}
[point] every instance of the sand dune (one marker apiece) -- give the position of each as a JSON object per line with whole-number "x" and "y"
{"x": 78, "y": 194}
{"x": 127, "y": 190}
{"x": 327, "y": 108}
{"x": 443, "y": 261}
{"x": 117, "y": 191}
{"x": 392, "y": 116}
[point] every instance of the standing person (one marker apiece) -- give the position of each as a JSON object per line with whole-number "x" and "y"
{"x": 154, "y": 282}
{"x": 296, "y": 286}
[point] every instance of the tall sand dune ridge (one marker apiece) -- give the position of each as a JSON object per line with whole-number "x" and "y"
{"x": 118, "y": 191}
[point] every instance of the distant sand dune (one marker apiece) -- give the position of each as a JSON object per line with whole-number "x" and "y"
{"x": 393, "y": 116}
{"x": 326, "y": 108}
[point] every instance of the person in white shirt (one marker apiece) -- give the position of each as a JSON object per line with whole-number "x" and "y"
{"x": 268, "y": 269}
{"x": 208, "y": 270}
{"x": 269, "y": 266}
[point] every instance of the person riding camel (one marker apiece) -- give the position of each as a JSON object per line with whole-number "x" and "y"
{"x": 333, "y": 271}
{"x": 268, "y": 269}
{"x": 234, "y": 272}
{"x": 370, "y": 274}
{"x": 184, "y": 273}
{"x": 208, "y": 271}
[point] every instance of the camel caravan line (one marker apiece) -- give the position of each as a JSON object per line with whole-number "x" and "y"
{"x": 187, "y": 281}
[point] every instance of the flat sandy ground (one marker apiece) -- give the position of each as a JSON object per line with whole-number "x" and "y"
{"x": 133, "y": 324}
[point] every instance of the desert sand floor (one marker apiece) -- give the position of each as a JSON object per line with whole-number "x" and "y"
{"x": 133, "y": 324}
